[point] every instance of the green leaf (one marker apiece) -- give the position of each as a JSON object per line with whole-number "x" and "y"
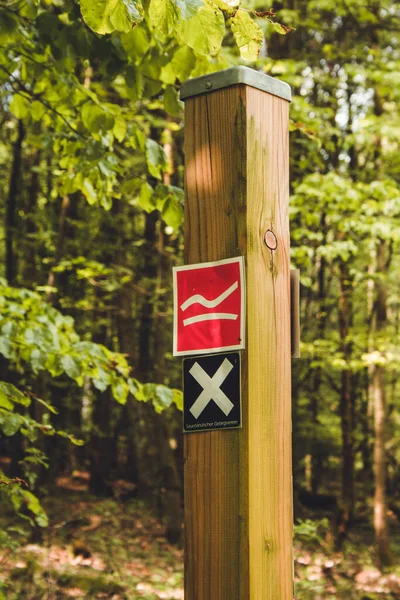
{"x": 133, "y": 78}
{"x": 95, "y": 119}
{"x": 5, "y": 347}
{"x": 71, "y": 367}
{"x": 106, "y": 16}
{"x": 169, "y": 201}
{"x": 74, "y": 440}
{"x": 37, "y": 110}
{"x": 163, "y": 15}
{"x": 5, "y": 402}
{"x": 19, "y": 106}
{"x": 9, "y": 391}
{"x": 136, "y": 43}
{"x": 189, "y": 8}
{"x": 172, "y": 104}
{"x": 49, "y": 406}
{"x": 155, "y": 158}
{"x": 134, "y": 385}
{"x": 102, "y": 379}
{"x": 38, "y": 360}
{"x": 53, "y": 365}
{"x": 248, "y": 35}
{"x": 279, "y": 28}
{"x": 146, "y": 198}
{"x": 119, "y": 129}
{"x": 10, "y": 422}
{"x": 89, "y": 192}
{"x": 140, "y": 394}
{"x": 162, "y": 398}
{"x": 160, "y": 195}
{"x": 33, "y": 336}
{"x": 8, "y": 27}
{"x": 33, "y": 504}
{"x": 168, "y": 74}
{"x": 205, "y": 31}
{"x": 126, "y": 15}
{"x": 120, "y": 391}
{"x": 159, "y": 395}
{"x": 172, "y": 212}
{"x": 228, "y": 6}
{"x": 183, "y": 63}
{"x": 29, "y": 9}
{"x": 177, "y": 398}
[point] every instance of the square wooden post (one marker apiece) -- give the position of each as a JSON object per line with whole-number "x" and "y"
{"x": 238, "y": 483}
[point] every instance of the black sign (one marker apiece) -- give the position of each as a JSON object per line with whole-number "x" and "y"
{"x": 211, "y": 392}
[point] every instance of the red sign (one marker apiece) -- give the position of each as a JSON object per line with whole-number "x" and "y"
{"x": 209, "y": 307}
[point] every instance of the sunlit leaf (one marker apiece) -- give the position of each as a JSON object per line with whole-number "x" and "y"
{"x": 172, "y": 104}
{"x": 156, "y": 158}
{"x": 205, "y": 31}
{"x": 248, "y": 34}
{"x": 146, "y": 197}
{"x": 105, "y": 16}
{"x": 172, "y": 212}
{"x": 164, "y": 15}
{"x": 189, "y": 8}
{"x": 10, "y": 422}
{"x": 19, "y": 106}
{"x": 71, "y": 366}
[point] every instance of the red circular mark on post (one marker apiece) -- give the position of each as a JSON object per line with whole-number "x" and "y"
{"x": 270, "y": 240}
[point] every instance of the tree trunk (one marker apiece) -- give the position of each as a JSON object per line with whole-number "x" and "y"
{"x": 102, "y": 452}
{"x": 149, "y": 272}
{"x": 379, "y": 323}
{"x": 380, "y": 508}
{"x": 348, "y": 492}
{"x": 11, "y": 207}
{"x": 65, "y": 205}
{"x": 158, "y": 474}
{"x": 346, "y": 401}
{"x": 29, "y": 251}
{"x": 315, "y": 395}
{"x": 366, "y": 429}
{"x": 377, "y": 391}
{"x": 106, "y": 412}
{"x": 67, "y": 400}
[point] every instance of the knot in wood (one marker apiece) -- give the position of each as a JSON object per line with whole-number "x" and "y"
{"x": 270, "y": 240}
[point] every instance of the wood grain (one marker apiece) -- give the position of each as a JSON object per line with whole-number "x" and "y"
{"x": 238, "y": 497}
{"x": 295, "y": 312}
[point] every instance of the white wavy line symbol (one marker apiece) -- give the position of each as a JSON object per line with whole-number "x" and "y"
{"x": 199, "y": 299}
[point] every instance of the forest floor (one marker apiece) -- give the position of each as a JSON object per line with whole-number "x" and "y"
{"x": 351, "y": 574}
{"x": 108, "y": 549}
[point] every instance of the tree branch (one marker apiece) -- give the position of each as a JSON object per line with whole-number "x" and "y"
{"x": 22, "y": 87}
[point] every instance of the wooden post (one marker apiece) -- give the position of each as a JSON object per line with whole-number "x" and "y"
{"x": 238, "y": 483}
{"x": 295, "y": 312}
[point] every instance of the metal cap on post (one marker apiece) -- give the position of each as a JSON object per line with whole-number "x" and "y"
{"x": 235, "y": 76}
{"x": 238, "y": 482}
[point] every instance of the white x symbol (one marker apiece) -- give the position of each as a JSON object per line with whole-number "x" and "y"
{"x": 211, "y": 388}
